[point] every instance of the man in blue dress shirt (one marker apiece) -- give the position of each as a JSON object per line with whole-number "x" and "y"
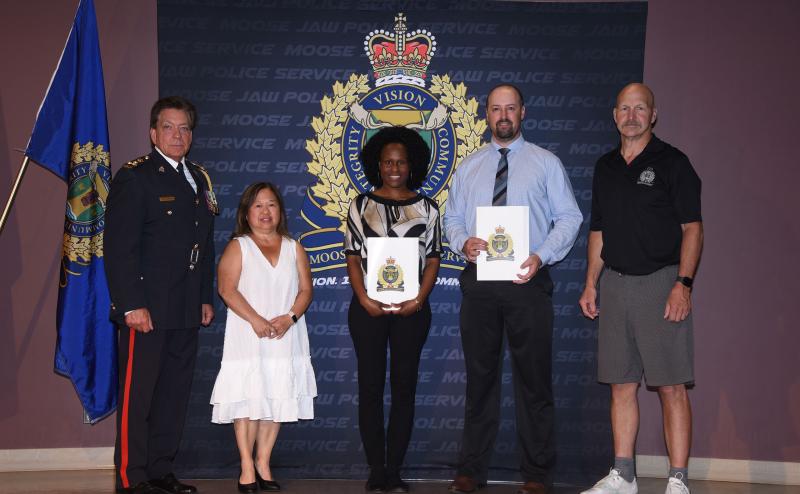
{"x": 523, "y": 174}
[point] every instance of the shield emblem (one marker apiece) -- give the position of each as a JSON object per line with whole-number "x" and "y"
{"x": 391, "y": 274}
{"x": 500, "y": 243}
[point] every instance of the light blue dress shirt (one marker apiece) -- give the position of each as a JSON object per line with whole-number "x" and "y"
{"x": 536, "y": 178}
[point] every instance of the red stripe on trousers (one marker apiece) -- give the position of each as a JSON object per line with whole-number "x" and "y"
{"x": 123, "y": 467}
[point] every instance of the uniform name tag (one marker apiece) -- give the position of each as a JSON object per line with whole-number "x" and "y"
{"x": 166, "y": 198}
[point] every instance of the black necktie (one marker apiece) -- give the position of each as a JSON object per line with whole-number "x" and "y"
{"x": 501, "y": 179}
{"x": 183, "y": 175}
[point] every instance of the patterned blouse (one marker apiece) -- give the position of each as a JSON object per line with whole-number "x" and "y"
{"x": 373, "y": 216}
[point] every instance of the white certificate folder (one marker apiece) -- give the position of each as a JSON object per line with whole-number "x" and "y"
{"x": 505, "y": 229}
{"x": 392, "y": 269}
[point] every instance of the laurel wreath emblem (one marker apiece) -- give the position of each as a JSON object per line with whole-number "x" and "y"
{"x": 326, "y": 162}
{"x": 81, "y": 249}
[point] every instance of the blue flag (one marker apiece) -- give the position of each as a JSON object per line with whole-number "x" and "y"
{"x": 70, "y": 138}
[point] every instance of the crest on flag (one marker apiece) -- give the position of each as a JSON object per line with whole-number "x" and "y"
{"x": 89, "y": 177}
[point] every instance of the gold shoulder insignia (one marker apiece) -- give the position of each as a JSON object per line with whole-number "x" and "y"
{"x": 138, "y": 161}
{"x": 198, "y": 165}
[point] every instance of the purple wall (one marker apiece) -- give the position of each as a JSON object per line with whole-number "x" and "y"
{"x": 39, "y": 408}
{"x": 725, "y": 75}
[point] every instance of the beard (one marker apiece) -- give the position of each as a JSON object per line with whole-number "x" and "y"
{"x": 506, "y": 132}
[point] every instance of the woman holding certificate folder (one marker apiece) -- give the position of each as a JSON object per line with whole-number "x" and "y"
{"x": 395, "y": 162}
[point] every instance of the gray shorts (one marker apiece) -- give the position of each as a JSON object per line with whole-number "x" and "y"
{"x": 635, "y": 338}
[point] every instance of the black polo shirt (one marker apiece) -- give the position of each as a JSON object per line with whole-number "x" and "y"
{"x": 640, "y": 207}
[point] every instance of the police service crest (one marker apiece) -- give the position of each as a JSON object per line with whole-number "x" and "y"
{"x": 647, "y": 177}
{"x": 89, "y": 177}
{"x": 390, "y": 277}
{"x": 442, "y": 115}
{"x": 501, "y": 246}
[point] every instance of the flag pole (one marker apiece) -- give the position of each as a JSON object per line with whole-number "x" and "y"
{"x": 14, "y": 190}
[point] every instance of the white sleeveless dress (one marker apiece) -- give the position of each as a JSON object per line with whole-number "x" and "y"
{"x": 262, "y": 378}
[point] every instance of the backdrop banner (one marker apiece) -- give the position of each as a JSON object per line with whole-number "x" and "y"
{"x": 289, "y": 91}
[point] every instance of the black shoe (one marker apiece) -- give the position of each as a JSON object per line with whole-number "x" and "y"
{"x": 395, "y": 484}
{"x": 247, "y": 488}
{"x": 267, "y": 485}
{"x": 141, "y": 488}
{"x": 376, "y": 481}
{"x": 171, "y": 484}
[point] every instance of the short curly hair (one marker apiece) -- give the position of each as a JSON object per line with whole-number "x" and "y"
{"x": 419, "y": 155}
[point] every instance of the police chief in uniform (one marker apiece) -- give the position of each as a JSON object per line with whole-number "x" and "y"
{"x": 159, "y": 260}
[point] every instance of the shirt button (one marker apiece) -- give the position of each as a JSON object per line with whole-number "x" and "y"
{"x": 169, "y": 212}
{"x": 196, "y": 201}
{"x": 196, "y": 222}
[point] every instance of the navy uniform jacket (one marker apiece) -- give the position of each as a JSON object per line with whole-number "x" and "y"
{"x": 154, "y": 222}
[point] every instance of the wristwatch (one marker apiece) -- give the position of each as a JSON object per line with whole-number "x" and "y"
{"x": 294, "y": 316}
{"x": 685, "y": 281}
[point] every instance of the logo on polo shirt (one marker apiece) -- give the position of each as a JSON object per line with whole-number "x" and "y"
{"x": 647, "y": 177}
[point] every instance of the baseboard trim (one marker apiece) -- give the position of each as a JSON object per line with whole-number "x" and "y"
{"x": 717, "y": 469}
{"x": 32, "y": 460}
{"x": 723, "y": 470}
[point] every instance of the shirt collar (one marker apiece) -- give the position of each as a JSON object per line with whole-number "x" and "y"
{"x": 171, "y": 161}
{"x": 515, "y": 144}
{"x": 654, "y": 145}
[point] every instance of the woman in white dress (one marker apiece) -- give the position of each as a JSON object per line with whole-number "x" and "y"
{"x": 266, "y": 375}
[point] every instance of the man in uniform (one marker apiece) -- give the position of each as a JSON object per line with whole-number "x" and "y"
{"x": 160, "y": 267}
{"x": 646, "y": 230}
{"x": 510, "y": 171}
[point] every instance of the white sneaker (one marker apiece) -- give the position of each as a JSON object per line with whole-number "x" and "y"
{"x": 676, "y": 486}
{"x": 613, "y": 483}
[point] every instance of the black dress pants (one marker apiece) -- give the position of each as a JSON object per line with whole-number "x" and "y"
{"x": 524, "y": 313}
{"x": 405, "y": 337}
{"x": 155, "y": 374}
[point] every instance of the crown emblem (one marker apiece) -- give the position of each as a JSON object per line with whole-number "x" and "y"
{"x": 499, "y": 230}
{"x": 402, "y": 56}
{"x": 390, "y": 261}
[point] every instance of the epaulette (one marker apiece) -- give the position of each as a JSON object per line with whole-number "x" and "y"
{"x": 199, "y": 166}
{"x": 138, "y": 161}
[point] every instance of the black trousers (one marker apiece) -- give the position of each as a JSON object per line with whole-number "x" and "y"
{"x": 524, "y": 314}
{"x": 155, "y": 374}
{"x": 405, "y": 337}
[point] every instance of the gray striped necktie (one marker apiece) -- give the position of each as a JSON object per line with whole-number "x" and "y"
{"x": 501, "y": 179}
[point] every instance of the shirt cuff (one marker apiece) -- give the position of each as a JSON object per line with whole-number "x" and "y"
{"x": 544, "y": 255}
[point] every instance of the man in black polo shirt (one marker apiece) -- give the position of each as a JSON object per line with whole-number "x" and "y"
{"x": 646, "y": 231}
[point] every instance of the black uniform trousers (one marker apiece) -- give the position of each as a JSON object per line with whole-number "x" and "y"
{"x": 405, "y": 337}
{"x": 524, "y": 313}
{"x": 155, "y": 371}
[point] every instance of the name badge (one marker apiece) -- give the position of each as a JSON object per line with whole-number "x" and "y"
{"x": 166, "y": 198}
